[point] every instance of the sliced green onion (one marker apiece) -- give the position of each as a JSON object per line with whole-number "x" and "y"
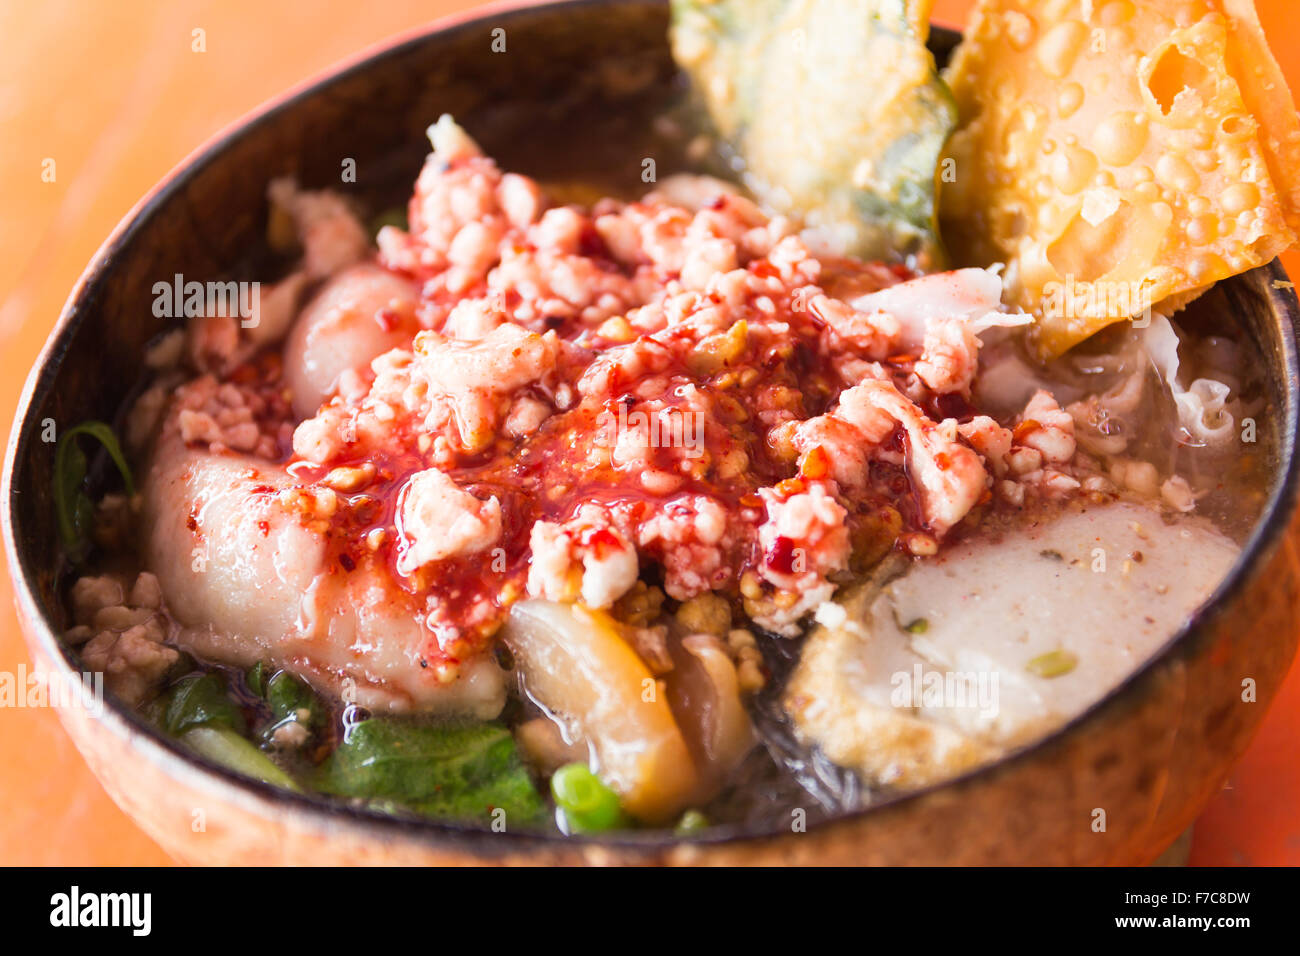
{"x": 919, "y": 626}
{"x": 589, "y": 806}
{"x": 1052, "y": 664}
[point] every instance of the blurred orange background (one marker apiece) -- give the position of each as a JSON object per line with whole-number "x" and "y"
{"x": 113, "y": 93}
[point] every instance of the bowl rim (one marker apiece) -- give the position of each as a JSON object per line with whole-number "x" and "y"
{"x": 171, "y": 759}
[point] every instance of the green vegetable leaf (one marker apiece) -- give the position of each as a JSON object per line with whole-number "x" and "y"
{"x": 289, "y": 696}
{"x": 291, "y": 701}
{"x": 198, "y": 712}
{"x": 450, "y": 771}
{"x": 396, "y": 216}
{"x": 832, "y": 110}
{"x": 227, "y": 747}
{"x": 74, "y": 508}
{"x": 200, "y": 701}
{"x": 255, "y": 678}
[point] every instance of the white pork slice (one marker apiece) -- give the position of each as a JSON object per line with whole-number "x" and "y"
{"x": 998, "y": 641}
{"x": 249, "y": 580}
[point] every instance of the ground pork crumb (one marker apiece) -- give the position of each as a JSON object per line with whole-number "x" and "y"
{"x": 122, "y": 636}
{"x": 588, "y": 557}
{"x": 570, "y": 402}
{"x": 439, "y": 521}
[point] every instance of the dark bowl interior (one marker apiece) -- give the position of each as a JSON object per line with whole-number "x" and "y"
{"x": 586, "y": 78}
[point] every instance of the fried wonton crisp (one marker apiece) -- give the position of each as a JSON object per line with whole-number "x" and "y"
{"x": 831, "y": 109}
{"x": 1118, "y": 154}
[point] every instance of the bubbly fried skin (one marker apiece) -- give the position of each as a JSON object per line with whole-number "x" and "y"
{"x": 1118, "y": 155}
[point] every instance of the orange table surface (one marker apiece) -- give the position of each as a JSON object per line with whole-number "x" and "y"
{"x": 115, "y": 95}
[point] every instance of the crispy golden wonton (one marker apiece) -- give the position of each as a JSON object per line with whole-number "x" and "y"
{"x": 1118, "y": 155}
